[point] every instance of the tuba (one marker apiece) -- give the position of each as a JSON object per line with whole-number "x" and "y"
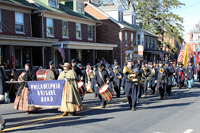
{"x": 133, "y": 75}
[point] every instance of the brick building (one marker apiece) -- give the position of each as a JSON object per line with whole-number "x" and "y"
{"x": 119, "y": 27}
{"x": 37, "y": 28}
{"x": 16, "y": 34}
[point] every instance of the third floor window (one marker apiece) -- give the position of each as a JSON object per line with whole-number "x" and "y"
{"x": 53, "y": 3}
{"x": 120, "y": 16}
{"x": 19, "y": 22}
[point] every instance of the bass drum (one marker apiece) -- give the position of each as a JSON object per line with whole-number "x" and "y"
{"x": 45, "y": 74}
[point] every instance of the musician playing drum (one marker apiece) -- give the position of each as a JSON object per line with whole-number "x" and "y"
{"x": 130, "y": 87}
{"x": 101, "y": 78}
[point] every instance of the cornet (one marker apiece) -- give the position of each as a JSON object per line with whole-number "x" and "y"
{"x": 92, "y": 75}
{"x": 161, "y": 71}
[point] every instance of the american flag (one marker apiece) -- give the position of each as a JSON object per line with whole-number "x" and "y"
{"x": 61, "y": 50}
{"x": 161, "y": 55}
{"x": 181, "y": 54}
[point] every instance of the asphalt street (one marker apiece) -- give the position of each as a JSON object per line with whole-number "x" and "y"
{"x": 178, "y": 113}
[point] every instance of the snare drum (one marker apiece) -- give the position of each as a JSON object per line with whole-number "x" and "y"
{"x": 45, "y": 74}
{"x": 106, "y": 92}
{"x": 82, "y": 88}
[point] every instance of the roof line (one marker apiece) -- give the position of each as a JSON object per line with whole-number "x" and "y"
{"x": 104, "y": 14}
{"x": 18, "y": 5}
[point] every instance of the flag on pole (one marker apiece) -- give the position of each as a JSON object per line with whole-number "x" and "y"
{"x": 196, "y": 57}
{"x": 161, "y": 55}
{"x": 181, "y": 53}
{"x": 185, "y": 56}
{"x": 61, "y": 50}
{"x": 13, "y": 62}
{"x": 188, "y": 59}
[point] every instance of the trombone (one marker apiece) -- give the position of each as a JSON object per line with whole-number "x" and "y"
{"x": 133, "y": 75}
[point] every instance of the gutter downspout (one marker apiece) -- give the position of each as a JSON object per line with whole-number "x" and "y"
{"x": 121, "y": 45}
{"x": 31, "y": 25}
{"x": 43, "y": 24}
{"x": 43, "y": 48}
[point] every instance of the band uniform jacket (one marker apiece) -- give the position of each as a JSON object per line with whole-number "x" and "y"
{"x": 119, "y": 73}
{"x": 77, "y": 71}
{"x": 152, "y": 77}
{"x": 147, "y": 73}
{"x": 111, "y": 75}
{"x": 180, "y": 74}
{"x": 98, "y": 80}
{"x": 190, "y": 72}
{"x": 160, "y": 77}
{"x": 169, "y": 72}
{"x": 56, "y": 72}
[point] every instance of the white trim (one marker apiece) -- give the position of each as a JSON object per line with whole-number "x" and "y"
{"x": 50, "y": 35}
{"x": 129, "y": 52}
{"x": 85, "y": 45}
{"x": 105, "y": 15}
{"x": 17, "y": 32}
{"x": 65, "y": 37}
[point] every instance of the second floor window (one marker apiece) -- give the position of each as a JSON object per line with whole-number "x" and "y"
{"x": 0, "y": 22}
{"x": 90, "y": 32}
{"x": 131, "y": 39}
{"x": 126, "y": 39}
{"x": 78, "y": 31}
{"x": 19, "y": 22}
{"x": 65, "y": 29}
{"x": 49, "y": 23}
{"x": 120, "y": 16}
{"x": 138, "y": 39}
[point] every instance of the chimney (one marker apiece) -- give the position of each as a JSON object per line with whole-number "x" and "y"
{"x": 191, "y": 36}
{"x": 140, "y": 25}
{"x": 110, "y": 4}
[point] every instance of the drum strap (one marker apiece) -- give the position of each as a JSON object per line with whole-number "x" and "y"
{"x": 101, "y": 76}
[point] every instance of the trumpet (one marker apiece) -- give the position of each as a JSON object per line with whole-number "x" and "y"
{"x": 161, "y": 71}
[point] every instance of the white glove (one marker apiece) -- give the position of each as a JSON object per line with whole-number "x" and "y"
{"x": 86, "y": 84}
{"x": 66, "y": 79}
{"x": 96, "y": 85}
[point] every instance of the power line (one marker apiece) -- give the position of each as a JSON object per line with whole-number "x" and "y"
{"x": 197, "y": 3}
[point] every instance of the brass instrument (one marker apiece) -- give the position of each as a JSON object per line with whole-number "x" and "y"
{"x": 131, "y": 77}
{"x": 161, "y": 71}
{"x": 144, "y": 69}
{"x": 92, "y": 75}
{"x": 115, "y": 71}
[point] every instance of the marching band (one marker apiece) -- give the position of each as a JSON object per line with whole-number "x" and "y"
{"x": 103, "y": 80}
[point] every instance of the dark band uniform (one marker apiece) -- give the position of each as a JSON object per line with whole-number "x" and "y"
{"x": 145, "y": 74}
{"x": 169, "y": 73}
{"x": 77, "y": 71}
{"x": 152, "y": 79}
{"x": 190, "y": 75}
{"x": 180, "y": 76}
{"x": 100, "y": 82}
{"x": 160, "y": 77}
{"x": 130, "y": 88}
{"x": 117, "y": 81}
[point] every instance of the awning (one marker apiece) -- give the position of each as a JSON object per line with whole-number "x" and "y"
{"x": 26, "y": 41}
{"x": 84, "y": 45}
{"x": 154, "y": 51}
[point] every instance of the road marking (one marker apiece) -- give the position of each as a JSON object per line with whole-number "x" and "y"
{"x": 55, "y": 117}
{"x": 188, "y": 131}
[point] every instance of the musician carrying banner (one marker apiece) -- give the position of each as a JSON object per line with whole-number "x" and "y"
{"x": 71, "y": 101}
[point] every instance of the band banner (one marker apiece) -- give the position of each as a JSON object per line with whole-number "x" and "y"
{"x": 45, "y": 93}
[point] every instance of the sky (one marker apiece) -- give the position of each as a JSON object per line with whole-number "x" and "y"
{"x": 190, "y": 12}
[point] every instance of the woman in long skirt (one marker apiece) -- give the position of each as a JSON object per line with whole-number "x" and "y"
{"x": 21, "y": 100}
